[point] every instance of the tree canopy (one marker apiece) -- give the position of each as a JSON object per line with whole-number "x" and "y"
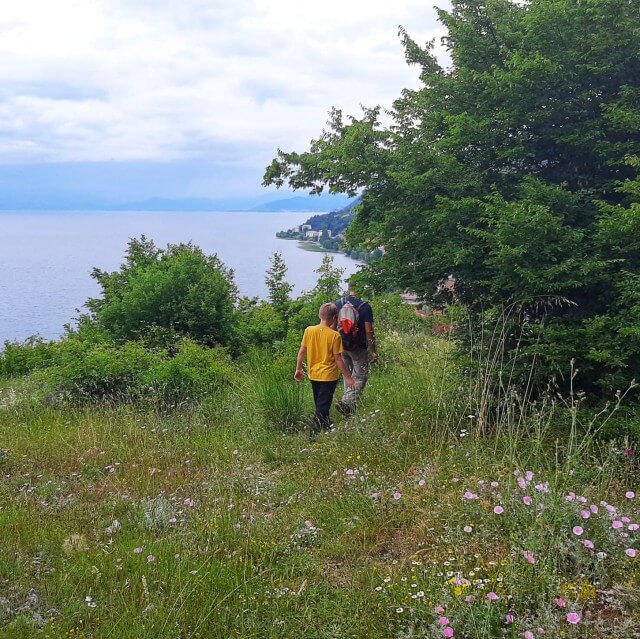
{"x": 515, "y": 171}
{"x": 178, "y": 290}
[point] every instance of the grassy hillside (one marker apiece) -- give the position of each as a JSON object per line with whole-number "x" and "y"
{"x": 224, "y": 521}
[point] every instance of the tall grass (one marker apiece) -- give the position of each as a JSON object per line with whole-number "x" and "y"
{"x": 225, "y": 521}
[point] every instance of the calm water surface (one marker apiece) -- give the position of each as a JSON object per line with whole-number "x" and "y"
{"x": 46, "y": 258}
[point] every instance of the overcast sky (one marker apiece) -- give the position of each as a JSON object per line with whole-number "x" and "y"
{"x": 123, "y": 99}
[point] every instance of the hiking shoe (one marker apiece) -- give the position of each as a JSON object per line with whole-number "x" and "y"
{"x": 345, "y": 409}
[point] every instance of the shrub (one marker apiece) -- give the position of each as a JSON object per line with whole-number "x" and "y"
{"x": 97, "y": 373}
{"x": 178, "y": 289}
{"x": 134, "y": 373}
{"x": 192, "y": 374}
{"x": 21, "y": 358}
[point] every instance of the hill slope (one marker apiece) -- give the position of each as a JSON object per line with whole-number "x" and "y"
{"x": 404, "y": 522}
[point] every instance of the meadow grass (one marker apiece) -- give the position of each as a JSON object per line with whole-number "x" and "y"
{"x": 225, "y": 521}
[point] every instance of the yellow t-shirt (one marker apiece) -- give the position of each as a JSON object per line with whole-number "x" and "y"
{"x": 322, "y": 344}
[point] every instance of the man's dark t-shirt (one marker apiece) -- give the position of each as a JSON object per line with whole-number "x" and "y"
{"x": 365, "y": 314}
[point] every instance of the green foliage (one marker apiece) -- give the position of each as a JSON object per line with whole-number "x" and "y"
{"x": 329, "y": 285}
{"x": 98, "y": 373}
{"x": 178, "y": 290}
{"x": 280, "y": 400}
{"x": 193, "y": 374}
{"x": 279, "y": 288}
{"x": 18, "y": 359}
{"x": 259, "y": 324}
{"x": 513, "y": 171}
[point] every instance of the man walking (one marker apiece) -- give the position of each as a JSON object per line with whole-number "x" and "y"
{"x": 362, "y": 351}
{"x": 322, "y": 347}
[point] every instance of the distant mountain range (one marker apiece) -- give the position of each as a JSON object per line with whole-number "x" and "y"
{"x": 308, "y": 203}
{"x": 311, "y": 203}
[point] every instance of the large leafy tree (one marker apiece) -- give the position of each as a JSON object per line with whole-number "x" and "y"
{"x": 513, "y": 170}
{"x": 177, "y": 291}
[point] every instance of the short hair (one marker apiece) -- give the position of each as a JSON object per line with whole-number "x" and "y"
{"x": 352, "y": 285}
{"x": 328, "y": 311}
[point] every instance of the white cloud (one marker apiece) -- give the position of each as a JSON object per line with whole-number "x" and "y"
{"x": 94, "y": 80}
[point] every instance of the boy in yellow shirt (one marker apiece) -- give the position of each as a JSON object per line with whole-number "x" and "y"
{"x": 322, "y": 346}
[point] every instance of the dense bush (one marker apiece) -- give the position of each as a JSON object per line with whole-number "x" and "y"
{"x": 179, "y": 290}
{"x": 96, "y": 373}
{"x": 20, "y": 358}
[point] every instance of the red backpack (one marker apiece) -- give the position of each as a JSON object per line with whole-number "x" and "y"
{"x": 348, "y": 318}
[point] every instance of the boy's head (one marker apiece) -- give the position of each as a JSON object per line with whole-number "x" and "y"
{"x": 328, "y": 313}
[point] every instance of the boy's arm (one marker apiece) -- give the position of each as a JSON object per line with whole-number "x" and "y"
{"x": 345, "y": 371}
{"x": 301, "y": 355}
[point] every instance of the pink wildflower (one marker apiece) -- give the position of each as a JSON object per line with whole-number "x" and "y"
{"x": 577, "y": 530}
{"x": 468, "y": 529}
{"x": 422, "y": 482}
{"x": 527, "y": 500}
{"x": 587, "y": 543}
{"x": 509, "y": 619}
{"x": 443, "y": 621}
{"x": 529, "y": 556}
{"x": 150, "y": 558}
{"x": 570, "y": 497}
{"x": 630, "y": 494}
{"x": 522, "y": 483}
{"x": 560, "y": 602}
{"x": 470, "y": 598}
{"x": 540, "y": 630}
{"x": 633, "y": 527}
{"x": 397, "y": 496}
{"x": 492, "y": 596}
{"x": 349, "y": 471}
{"x": 447, "y": 632}
{"x": 593, "y": 508}
{"x": 494, "y": 484}
{"x": 585, "y": 514}
{"x": 573, "y": 617}
{"x": 630, "y": 552}
{"x": 529, "y": 475}
{"x": 138, "y": 551}
{"x": 189, "y": 502}
{"x": 498, "y": 510}
{"x": 629, "y": 451}
{"x": 470, "y": 495}
{"x": 616, "y": 524}
{"x": 528, "y": 635}
{"x": 438, "y": 610}
{"x": 374, "y": 495}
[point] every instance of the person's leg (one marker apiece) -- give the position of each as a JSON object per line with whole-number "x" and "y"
{"x": 322, "y": 419}
{"x": 348, "y": 362}
{"x": 359, "y": 368}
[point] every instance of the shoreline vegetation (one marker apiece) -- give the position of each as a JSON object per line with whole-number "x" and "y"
{"x": 326, "y": 233}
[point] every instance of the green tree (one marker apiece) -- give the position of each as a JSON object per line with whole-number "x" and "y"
{"x": 329, "y": 284}
{"x": 176, "y": 291}
{"x": 279, "y": 288}
{"x": 510, "y": 171}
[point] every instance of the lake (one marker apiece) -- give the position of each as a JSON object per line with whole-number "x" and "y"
{"x": 46, "y": 257}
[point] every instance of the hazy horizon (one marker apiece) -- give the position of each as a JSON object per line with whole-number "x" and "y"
{"x": 115, "y": 101}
